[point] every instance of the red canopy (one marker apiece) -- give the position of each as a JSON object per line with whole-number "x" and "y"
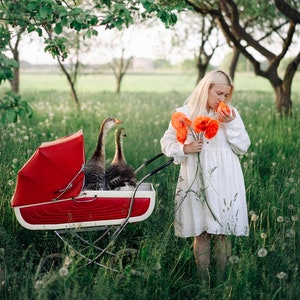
{"x": 55, "y": 171}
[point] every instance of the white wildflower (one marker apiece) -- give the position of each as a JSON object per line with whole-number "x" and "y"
{"x": 233, "y": 259}
{"x": 262, "y": 252}
{"x": 263, "y": 235}
{"x": 280, "y": 219}
{"x": 38, "y": 284}
{"x": 63, "y": 272}
{"x": 281, "y": 275}
{"x": 254, "y": 218}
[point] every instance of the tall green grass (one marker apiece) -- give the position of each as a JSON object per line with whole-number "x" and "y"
{"x": 265, "y": 265}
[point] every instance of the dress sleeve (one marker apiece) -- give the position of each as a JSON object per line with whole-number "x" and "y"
{"x": 237, "y": 135}
{"x": 171, "y": 147}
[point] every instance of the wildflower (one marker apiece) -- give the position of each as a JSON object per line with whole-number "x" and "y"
{"x": 262, "y": 252}
{"x": 63, "y": 272}
{"x": 251, "y": 212}
{"x": 294, "y": 218}
{"x": 10, "y": 182}
{"x": 67, "y": 261}
{"x": 201, "y": 125}
{"x": 233, "y": 259}
{"x": 280, "y": 219}
{"x": 263, "y": 235}
{"x": 254, "y": 218}
{"x": 72, "y": 253}
{"x": 291, "y": 206}
{"x": 15, "y": 160}
{"x": 281, "y": 275}
{"x": 180, "y": 120}
{"x": 38, "y": 284}
{"x": 223, "y": 107}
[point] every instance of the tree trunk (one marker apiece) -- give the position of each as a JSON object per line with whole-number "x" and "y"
{"x": 71, "y": 83}
{"x": 201, "y": 70}
{"x": 234, "y": 62}
{"x": 283, "y": 101}
{"x": 15, "y": 82}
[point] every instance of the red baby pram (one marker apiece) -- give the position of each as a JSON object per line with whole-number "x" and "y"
{"x": 49, "y": 195}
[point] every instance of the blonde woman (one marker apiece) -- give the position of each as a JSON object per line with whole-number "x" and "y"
{"x": 210, "y": 195}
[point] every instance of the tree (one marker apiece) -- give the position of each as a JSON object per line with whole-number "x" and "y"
{"x": 14, "y": 48}
{"x": 253, "y": 27}
{"x": 47, "y": 16}
{"x": 198, "y": 34}
{"x": 114, "y": 48}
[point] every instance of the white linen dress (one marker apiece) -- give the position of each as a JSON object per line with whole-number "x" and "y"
{"x": 216, "y": 203}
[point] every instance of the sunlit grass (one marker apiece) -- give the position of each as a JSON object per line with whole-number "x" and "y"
{"x": 265, "y": 265}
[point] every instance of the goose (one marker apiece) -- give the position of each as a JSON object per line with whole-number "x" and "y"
{"x": 119, "y": 175}
{"x": 94, "y": 169}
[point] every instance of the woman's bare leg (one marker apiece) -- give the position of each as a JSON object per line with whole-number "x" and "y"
{"x": 202, "y": 252}
{"x": 222, "y": 251}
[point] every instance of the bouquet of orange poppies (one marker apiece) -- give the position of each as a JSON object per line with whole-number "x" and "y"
{"x": 202, "y": 125}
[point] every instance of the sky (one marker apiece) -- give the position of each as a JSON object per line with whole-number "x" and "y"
{"x": 152, "y": 42}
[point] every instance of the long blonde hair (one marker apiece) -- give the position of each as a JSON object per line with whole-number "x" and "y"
{"x": 197, "y": 101}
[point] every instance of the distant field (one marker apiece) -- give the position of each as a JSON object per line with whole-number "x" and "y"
{"x": 137, "y": 82}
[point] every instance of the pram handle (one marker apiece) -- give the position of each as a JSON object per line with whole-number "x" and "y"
{"x": 146, "y": 163}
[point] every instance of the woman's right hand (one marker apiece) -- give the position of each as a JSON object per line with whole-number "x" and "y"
{"x": 193, "y": 147}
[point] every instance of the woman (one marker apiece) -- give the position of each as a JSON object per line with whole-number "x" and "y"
{"x": 210, "y": 195}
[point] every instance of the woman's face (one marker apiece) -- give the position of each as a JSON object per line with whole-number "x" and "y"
{"x": 218, "y": 93}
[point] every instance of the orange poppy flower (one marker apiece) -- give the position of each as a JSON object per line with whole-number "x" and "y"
{"x": 211, "y": 129}
{"x": 200, "y": 123}
{"x": 223, "y": 107}
{"x": 181, "y": 134}
{"x": 180, "y": 120}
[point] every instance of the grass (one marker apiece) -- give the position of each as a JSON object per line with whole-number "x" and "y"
{"x": 136, "y": 82}
{"x": 265, "y": 265}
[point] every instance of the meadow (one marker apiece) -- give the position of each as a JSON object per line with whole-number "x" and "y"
{"x": 265, "y": 265}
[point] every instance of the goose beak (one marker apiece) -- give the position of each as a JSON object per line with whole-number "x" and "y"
{"x": 118, "y": 121}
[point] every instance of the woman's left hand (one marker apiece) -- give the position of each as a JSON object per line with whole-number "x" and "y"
{"x": 226, "y": 117}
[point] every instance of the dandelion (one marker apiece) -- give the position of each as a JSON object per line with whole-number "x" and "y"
{"x": 72, "y": 253}
{"x": 39, "y": 284}
{"x": 294, "y": 218}
{"x": 15, "y": 160}
{"x": 280, "y": 219}
{"x": 263, "y": 235}
{"x": 251, "y": 212}
{"x": 254, "y": 218}
{"x": 281, "y": 275}
{"x": 63, "y": 272}
{"x": 67, "y": 261}
{"x": 10, "y": 182}
{"x": 291, "y": 206}
{"x": 233, "y": 259}
{"x": 262, "y": 252}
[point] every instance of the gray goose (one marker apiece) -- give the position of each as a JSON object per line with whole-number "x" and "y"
{"x": 119, "y": 175}
{"x": 94, "y": 169}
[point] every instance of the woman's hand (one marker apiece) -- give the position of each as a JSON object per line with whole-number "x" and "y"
{"x": 193, "y": 147}
{"x": 226, "y": 117}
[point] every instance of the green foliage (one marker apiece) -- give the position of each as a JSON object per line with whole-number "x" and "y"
{"x": 12, "y": 108}
{"x": 6, "y": 67}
